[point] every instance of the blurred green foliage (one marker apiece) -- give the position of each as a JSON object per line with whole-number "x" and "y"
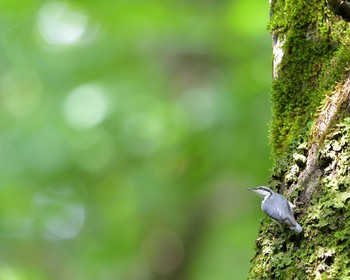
{"x": 129, "y": 132}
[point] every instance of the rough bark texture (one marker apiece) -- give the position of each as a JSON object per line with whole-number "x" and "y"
{"x": 310, "y": 138}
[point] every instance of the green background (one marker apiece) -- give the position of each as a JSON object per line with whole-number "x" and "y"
{"x": 129, "y": 132}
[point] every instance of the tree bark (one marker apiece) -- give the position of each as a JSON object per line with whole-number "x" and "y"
{"x": 310, "y": 139}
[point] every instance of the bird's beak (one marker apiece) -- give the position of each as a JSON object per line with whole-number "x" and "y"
{"x": 254, "y": 190}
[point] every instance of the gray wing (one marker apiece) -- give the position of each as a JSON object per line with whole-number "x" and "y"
{"x": 280, "y": 210}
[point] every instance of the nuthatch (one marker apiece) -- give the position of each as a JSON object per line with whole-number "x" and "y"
{"x": 277, "y": 207}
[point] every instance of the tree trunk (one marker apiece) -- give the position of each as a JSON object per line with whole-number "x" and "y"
{"x": 310, "y": 138}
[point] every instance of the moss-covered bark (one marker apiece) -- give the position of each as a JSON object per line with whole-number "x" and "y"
{"x": 310, "y": 138}
{"x": 316, "y": 54}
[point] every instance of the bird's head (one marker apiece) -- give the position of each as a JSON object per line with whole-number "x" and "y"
{"x": 262, "y": 191}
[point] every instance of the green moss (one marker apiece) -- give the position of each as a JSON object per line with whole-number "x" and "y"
{"x": 322, "y": 250}
{"x": 316, "y": 45}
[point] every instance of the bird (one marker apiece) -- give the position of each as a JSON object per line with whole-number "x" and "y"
{"x": 277, "y": 207}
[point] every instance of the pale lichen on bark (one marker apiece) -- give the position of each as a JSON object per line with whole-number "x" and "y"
{"x": 327, "y": 116}
{"x": 277, "y": 54}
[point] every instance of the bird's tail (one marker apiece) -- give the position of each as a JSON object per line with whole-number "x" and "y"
{"x": 297, "y": 228}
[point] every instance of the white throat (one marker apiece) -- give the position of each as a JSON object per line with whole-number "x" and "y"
{"x": 266, "y": 197}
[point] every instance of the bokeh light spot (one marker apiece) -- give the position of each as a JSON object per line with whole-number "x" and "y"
{"x": 20, "y": 91}
{"x": 86, "y": 106}
{"x": 61, "y": 24}
{"x": 60, "y": 213}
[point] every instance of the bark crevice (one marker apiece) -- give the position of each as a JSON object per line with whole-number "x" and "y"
{"x": 327, "y": 116}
